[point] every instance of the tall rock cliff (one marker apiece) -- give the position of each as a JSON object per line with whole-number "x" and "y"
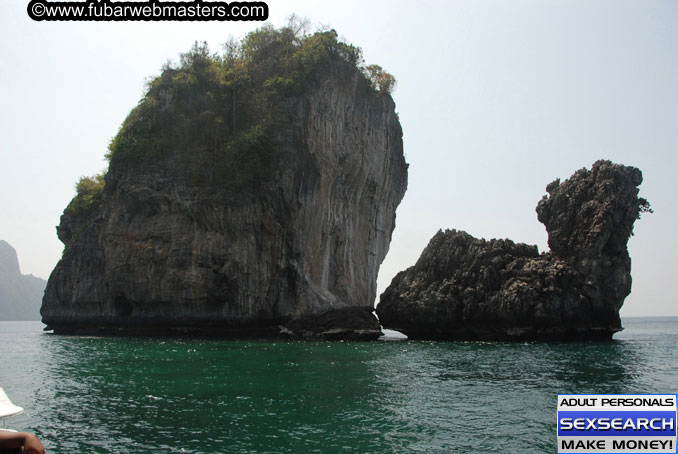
{"x": 466, "y": 288}
{"x": 20, "y": 294}
{"x": 249, "y": 200}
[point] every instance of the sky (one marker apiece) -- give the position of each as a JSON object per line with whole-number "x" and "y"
{"x": 497, "y": 98}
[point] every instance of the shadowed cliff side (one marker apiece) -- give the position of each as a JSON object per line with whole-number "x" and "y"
{"x": 244, "y": 192}
{"x": 464, "y": 288}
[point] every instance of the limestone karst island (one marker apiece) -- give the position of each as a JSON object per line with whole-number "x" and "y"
{"x": 248, "y": 194}
{"x": 254, "y": 194}
{"x": 463, "y": 288}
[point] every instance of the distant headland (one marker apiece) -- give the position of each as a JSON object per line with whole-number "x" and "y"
{"x": 20, "y": 294}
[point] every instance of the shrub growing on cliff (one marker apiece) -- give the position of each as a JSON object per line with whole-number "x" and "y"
{"x": 88, "y": 195}
{"x": 209, "y": 107}
{"x": 379, "y": 79}
{"x": 644, "y": 206}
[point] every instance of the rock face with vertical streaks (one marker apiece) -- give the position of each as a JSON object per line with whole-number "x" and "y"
{"x": 279, "y": 219}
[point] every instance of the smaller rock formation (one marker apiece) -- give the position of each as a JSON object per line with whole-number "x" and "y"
{"x": 464, "y": 288}
{"x": 20, "y": 294}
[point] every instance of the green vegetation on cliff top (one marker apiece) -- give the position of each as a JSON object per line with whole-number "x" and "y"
{"x": 219, "y": 113}
{"x": 221, "y": 110}
{"x": 88, "y": 192}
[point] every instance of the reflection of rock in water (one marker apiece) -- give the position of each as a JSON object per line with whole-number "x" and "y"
{"x": 467, "y": 288}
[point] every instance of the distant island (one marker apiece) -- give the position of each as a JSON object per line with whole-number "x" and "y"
{"x": 20, "y": 294}
{"x": 250, "y": 193}
{"x": 464, "y": 288}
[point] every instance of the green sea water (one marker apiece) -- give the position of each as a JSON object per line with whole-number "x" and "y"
{"x": 167, "y": 395}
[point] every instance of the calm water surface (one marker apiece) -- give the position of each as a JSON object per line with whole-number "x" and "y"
{"x": 140, "y": 395}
